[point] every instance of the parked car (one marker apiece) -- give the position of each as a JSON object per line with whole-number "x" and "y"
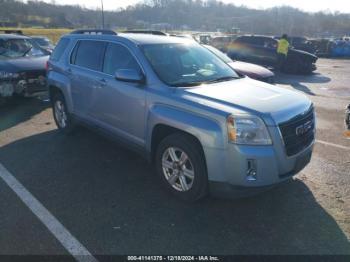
{"x": 262, "y": 50}
{"x": 44, "y": 43}
{"x": 246, "y": 69}
{"x": 222, "y": 42}
{"x": 205, "y": 128}
{"x": 340, "y": 48}
{"x": 22, "y": 66}
{"x": 301, "y": 43}
{"x": 323, "y": 47}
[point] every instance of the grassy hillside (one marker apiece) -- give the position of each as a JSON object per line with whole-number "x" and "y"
{"x": 53, "y": 34}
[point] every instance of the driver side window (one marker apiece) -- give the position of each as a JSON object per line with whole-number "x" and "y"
{"x": 118, "y": 57}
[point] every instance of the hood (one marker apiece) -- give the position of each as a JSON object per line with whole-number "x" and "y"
{"x": 302, "y": 53}
{"x": 253, "y": 97}
{"x": 251, "y": 70}
{"x": 14, "y": 65}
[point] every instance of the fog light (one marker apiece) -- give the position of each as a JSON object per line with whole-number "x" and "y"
{"x": 251, "y": 170}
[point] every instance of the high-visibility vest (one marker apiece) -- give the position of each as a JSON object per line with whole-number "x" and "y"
{"x": 282, "y": 46}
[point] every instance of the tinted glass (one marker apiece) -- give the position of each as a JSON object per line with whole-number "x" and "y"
{"x": 59, "y": 49}
{"x": 270, "y": 43}
{"x": 243, "y": 40}
{"x": 118, "y": 57}
{"x": 90, "y": 55}
{"x": 186, "y": 64}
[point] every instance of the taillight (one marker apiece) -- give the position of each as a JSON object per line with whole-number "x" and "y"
{"x": 47, "y": 66}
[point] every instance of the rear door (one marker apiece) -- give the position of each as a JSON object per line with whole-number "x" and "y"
{"x": 85, "y": 72}
{"x": 269, "y": 52}
{"x": 246, "y": 48}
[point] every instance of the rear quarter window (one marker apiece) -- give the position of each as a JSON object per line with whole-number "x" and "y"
{"x": 59, "y": 49}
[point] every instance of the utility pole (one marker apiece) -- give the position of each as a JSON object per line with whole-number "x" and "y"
{"x": 103, "y": 15}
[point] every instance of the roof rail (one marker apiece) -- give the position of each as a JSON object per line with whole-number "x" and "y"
{"x": 150, "y": 32}
{"x": 93, "y": 32}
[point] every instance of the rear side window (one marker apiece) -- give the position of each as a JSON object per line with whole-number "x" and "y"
{"x": 89, "y": 54}
{"x": 248, "y": 40}
{"x": 59, "y": 49}
{"x": 118, "y": 57}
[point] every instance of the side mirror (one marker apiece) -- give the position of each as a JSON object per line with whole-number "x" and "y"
{"x": 129, "y": 75}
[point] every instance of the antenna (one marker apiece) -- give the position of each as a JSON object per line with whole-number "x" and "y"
{"x": 103, "y": 15}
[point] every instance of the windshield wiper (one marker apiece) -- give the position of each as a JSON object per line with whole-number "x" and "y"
{"x": 198, "y": 83}
{"x": 222, "y": 79}
{"x": 26, "y": 52}
{"x": 186, "y": 84}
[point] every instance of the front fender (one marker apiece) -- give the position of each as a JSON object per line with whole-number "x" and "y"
{"x": 208, "y": 131}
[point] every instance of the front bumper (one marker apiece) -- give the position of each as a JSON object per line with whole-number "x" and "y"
{"x": 313, "y": 67}
{"x": 271, "y": 179}
{"x": 228, "y": 170}
{"x": 22, "y": 86}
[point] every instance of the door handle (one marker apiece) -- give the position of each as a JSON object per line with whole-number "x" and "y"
{"x": 69, "y": 71}
{"x": 102, "y": 82}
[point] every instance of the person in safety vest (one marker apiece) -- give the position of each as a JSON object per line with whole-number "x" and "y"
{"x": 282, "y": 51}
{"x": 347, "y": 122}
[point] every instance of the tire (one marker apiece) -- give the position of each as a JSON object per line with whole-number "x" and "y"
{"x": 6, "y": 101}
{"x": 188, "y": 179}
{"x": 291, "y": 66}
{"x": 62, "y": 117}
{"x": 2, "y": 101}
{"x": 306, "y": 68}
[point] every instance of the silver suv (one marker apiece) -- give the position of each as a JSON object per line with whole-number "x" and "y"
{"x": 205, "y": 128}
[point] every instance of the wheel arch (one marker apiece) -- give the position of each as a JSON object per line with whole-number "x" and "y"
{"x": 161, "y": 131}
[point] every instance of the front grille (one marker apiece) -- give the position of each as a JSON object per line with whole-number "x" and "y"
{"x": 34, "y": 74}
{"x": 298, "y": 133}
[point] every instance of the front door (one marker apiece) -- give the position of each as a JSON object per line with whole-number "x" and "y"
{"x": 118, "y": 105}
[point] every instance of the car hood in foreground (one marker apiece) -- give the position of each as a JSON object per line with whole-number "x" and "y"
{"x": 253, "y": 97}
{"x": 14, "y": 65}
{"x": 251, "y": 70}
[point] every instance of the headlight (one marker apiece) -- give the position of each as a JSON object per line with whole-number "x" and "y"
{"x": 247, "y": 130}
{"x": 8, "y": 75}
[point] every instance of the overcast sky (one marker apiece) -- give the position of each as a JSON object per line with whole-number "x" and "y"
{"x": 307, "y": 5}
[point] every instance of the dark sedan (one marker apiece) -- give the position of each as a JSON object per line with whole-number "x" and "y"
{"x": 22, "y": 66}
{"x": 251, "y": 70}
{"x": 262, "y": 50}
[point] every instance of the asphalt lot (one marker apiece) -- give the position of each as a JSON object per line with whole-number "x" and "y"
{"x": 110, "y": 201}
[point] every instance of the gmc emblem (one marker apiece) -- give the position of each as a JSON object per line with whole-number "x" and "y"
{"x": 304, "y": 128}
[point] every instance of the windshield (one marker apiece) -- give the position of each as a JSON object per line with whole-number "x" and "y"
{"x": 187, "y": 64}
{"x": 13, "y": 48}
{"x": 218, "y": 53}
{"x": 42, "y": 41}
